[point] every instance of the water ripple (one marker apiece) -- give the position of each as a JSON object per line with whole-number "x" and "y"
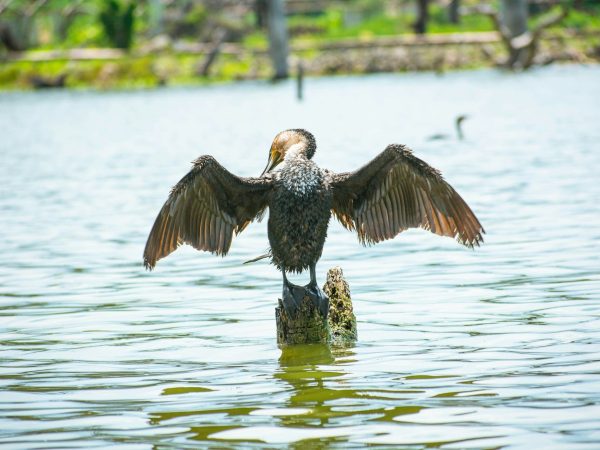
{"x": 491, "y": 348}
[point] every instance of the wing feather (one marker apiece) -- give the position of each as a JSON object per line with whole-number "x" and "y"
{"x": 388, "y": 219}
{"x": 204, "y": 209}
{"x": 397, "y": 191}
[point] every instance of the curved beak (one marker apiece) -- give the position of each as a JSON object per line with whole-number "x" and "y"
{"x": 274, "y": 159}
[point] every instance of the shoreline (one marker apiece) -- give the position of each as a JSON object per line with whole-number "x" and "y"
{"x": 177, "y": 64}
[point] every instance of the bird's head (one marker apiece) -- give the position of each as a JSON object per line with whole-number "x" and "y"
{"x": 290, "y": 142}
{"x": 458, "y": 122}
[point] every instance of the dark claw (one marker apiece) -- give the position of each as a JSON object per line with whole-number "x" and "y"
{"x": 292, "y": 297}
{"x": 324, "y": 305}
{"x": 319, "y": 298}
{"x": 323, "y": 302}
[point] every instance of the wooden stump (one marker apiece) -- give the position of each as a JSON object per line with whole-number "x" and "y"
{"x": 341, "y": 318}
{"x": 310, "y": 327}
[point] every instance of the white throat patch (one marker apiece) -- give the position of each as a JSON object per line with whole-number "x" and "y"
{"x": 293, "y": 152}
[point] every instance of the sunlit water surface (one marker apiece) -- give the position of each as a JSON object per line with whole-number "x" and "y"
{"x": 498, "y": 347}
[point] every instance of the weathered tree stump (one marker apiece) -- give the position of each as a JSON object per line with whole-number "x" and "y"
{"x": 310, "y": 327}
{"x": 341, "y": 318}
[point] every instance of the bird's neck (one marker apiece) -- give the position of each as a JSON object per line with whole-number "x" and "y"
{"x": 296, "y": 152}
{"x": 459, "y": 131}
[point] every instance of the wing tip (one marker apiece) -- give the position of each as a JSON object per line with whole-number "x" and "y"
{"x": 148, "y": 264}
{"x": 473, "y": 242}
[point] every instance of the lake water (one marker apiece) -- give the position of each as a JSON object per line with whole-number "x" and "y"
{"x": 493, "y": 348}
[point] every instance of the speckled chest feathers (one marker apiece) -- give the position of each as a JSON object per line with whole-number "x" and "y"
{"x": 299, "y": 215}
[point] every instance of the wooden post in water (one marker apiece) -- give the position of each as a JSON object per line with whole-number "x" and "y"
{"x": 300, "y": 82}
{"x": 310, "y": 327}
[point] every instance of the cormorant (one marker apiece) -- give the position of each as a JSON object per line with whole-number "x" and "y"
{"x": 457, "y": 125}
{"x": 391, "y": 193}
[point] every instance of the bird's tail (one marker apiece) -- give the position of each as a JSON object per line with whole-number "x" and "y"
{"x": 258, "y": 258}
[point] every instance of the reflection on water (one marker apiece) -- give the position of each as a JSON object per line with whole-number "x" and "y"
{"x": 458, "y": 349}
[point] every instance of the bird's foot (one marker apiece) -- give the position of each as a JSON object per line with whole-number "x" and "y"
{"x": 320, "y": 300}
{"x": 292, "y": 298}
{"x": 293, "y": 295}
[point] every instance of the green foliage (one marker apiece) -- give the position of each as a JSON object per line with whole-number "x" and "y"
{"x": 582, "y": 20}
{"x": 9, "y": 75}
{"x": 439, "y": 22}
{"x": 191, "y": 24}
{"x": 131, "y": 72}
{"x": 374, "y": 22}
{"x": 197, "y": 16}
{"x": 369, "y": 8}
{"x": 331, "y": 23}
{"x": 256, "y": 40}
{"x": 233, "y": 68}
{"x": 112, "y": 21}
{"x": 86, "y": 30}
{"x": 118, "y": 20}
{"x": 379, "y": 25}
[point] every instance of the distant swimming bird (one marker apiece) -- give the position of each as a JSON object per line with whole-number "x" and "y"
{"x": 393, "y": 192}
{"x": 459, "y": 132}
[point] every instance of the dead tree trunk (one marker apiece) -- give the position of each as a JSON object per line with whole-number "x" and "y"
{"x": 278, "y": 39}
{"x": 310, "y": 327}
{"x": 20, "y": 34}
{"x": 62, "y": 20}
{"x": 211, "y": 56}
{"x": 8, "y": 38}
{"x": 156, "y": 11}
{"x": 341, "y": 318}
{"x": 261, "y": 12}
{"x": 513, "y": 16}
{"x": 17, "y": 35}
{"x": 521, "y": 44}
{"x": 39, "y": 82}
{"x": 454, "y": 11}
{"x": 420, "y": 25}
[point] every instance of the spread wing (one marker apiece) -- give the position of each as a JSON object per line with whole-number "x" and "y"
{"x": 397, "y": 191}
{"x": 204, "y": 209}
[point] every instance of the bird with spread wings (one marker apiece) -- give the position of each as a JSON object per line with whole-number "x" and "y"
{"x": 393, "y": 192}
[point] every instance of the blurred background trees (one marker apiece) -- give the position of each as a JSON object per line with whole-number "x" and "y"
{"x": 278, "y": 38}
{"x": 238, "y": 32}
{"x": 17, "y": 25}
{"x": 117, "y": 19}
{"x": 33, "y": 23}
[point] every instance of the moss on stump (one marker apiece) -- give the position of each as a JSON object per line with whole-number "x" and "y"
{"x": 310, "y": 327}
{"x": 341, "y": 318}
